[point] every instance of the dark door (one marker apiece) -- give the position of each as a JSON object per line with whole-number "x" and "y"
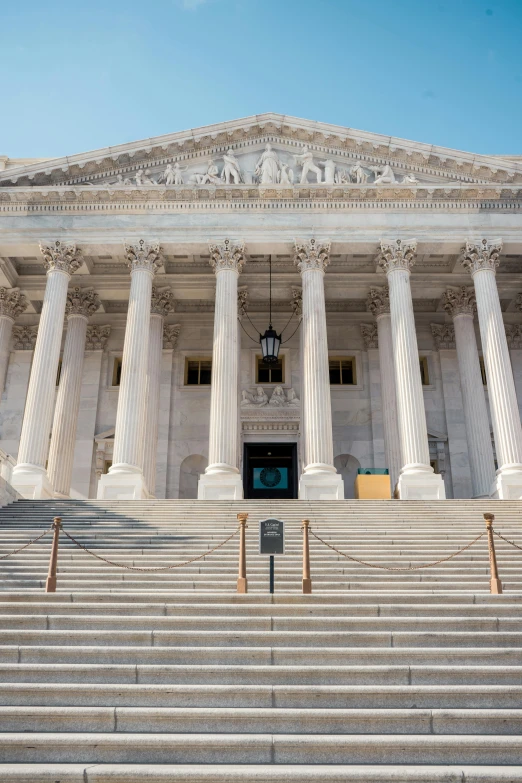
{"x": 270, "y": 470}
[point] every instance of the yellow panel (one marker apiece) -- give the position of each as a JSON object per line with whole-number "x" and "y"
{"x": 372, "y": 487}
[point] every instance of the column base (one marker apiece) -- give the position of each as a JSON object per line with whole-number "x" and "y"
{"x": 122, "y": 484}
{"x": 421, "y": 483}
{"x": 220, "y": 482}
{"x": 321, "y": 482}
{"x": 32, "y": 482}
{"x": 508, "y": 483}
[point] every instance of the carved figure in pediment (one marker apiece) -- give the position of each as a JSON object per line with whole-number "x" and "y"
{"x": 210, "y": 177}
{"x": 306, "y": 160}
{"x": 383, "y": 174}
{"x": 292, "y": 399}
{"x": 342, "y": 177}
{"x": 268, "y": 166}
{"x": 172, "y": 174}
{"x": 359, "y": 174}
{"x": 286, "y": 175}
{"x": 329, "y": 171}
{"x": 257, "y": 400}
{"x": 231, "y": 170}
{"x": 278, "y": 399}
{"x": 409, "y": 179}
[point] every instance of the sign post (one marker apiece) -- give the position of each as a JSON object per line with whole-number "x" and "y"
{"x": 271, "y": 542}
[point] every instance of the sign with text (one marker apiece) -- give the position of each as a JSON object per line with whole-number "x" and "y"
{"x": 271, "y": 537}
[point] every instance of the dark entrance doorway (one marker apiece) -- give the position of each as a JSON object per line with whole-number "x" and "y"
{"x": 270, "y": 470}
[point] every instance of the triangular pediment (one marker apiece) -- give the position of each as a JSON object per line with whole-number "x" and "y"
{"x": 344, "y": 157}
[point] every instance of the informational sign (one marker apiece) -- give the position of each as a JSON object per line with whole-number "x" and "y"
{"x": 271, "y": 537}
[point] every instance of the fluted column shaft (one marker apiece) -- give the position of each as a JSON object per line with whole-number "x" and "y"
{"x": 65, "y": 421}
{"x": 389, "y": 397}
{"x": 6, "y": 330}
{"x": 153, "y": 400}
{"x": 223, "y": 438}
{"x": 317, "y": 408}
{"x": 130, "y": 417}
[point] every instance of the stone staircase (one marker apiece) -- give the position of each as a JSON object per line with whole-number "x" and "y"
{"x": 377, "y": 677}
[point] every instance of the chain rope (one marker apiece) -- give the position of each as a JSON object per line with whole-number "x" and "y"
{"x": 392, "y": 568}
{"x": 507, "y": 540}
{"x": 15, "y": 551}
{"x": 149, "y": 570}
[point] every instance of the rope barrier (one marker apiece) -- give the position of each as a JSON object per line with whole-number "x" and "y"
{"x": 15, "y": 551}
{"x": 392, "y": 568}
{"x": 149, "y": 570}
{"x": 508, "y": 541}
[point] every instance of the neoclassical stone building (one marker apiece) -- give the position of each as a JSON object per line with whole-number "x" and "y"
{"x": 136, "y": 281}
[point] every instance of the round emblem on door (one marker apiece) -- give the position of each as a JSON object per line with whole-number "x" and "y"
{"x": 270, "y": 477}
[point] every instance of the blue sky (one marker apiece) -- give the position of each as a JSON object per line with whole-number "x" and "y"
{"x": 81, "y": 75}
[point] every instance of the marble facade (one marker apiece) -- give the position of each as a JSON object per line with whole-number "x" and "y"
{"x": 384, "y": 251}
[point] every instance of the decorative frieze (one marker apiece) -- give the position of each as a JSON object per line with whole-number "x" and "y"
{"x": 370, "y": 336}
{"x": 378, "y": 301}
{"x": 97, "y": 337}
{"x": 311, "y": 254}
{"x": 443, "y": 336}
{"x": 227, "y": 255}
{"x": 397, "y": 255}
{"x": 143, "y": 255}
{"x": 12, "y": 302}
{"x": 61, "y": 257}
{"x": 24, "y": 337}
{"x": 514, "y": 335}
{"x": 459, "y": 301}
{"x": 170, "y": 335}
{"x": 81, "y": 301}
{"x": 162, "y": 301}
{"x": 477, "y": 256}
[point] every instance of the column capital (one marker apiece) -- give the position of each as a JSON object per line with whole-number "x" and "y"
{"x": 378, "y": 301}
{"x": 459, "y": 301}
{"x": 399, "y": 254}
{"x": 170, "y": 335}
{"x": 81, "y": 301}
{"x": 370, "y": 335}
{"x": 144, "y": 256}
{"x": 61, "y": 257}
{"x": 514, "y": 335}
{"x": 97, "y": 337}
{"x": 25, "y": 337}
{"x": 311, "y": 254}
{"x": 227, "y": 255}
{"x": 477, "y": 256}
{"x": 443, "y": 336}
{"x": 162, "y": 301}
{"x": 12, "y": 302}
{"x": 518, "y": 303}
{"x": 242, "y": 301}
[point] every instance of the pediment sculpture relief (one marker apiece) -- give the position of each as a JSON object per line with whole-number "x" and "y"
{"x": 259, "y": 398}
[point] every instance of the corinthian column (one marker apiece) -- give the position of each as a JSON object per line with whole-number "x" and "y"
{"x": 378, "y": 303}
{"x": 12, "y": 304}
{"x": 29, "y": 475}
{"x": 162, "y": 303}
{"x": 125, "y": 479}
{"x": 222, "y": 480}
{"x": 80, "y": 305}
{"x": 460, "y": 304}
{"x": 417, "y": 481}
{"x": 482, "y": 259}
{"x": 319, "y": 480}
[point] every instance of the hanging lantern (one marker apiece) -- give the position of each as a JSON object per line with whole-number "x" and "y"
{"x": 270, "y": 344}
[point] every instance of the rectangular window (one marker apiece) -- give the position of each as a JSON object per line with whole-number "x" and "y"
{"x": 116, "y": 371}
{"x": 270, "y": 373}
{"x": 425, "y": 375}
{"x": 342, "y": 371}
{"x": 483, "y": 371}
{"x": 198, "y": 372}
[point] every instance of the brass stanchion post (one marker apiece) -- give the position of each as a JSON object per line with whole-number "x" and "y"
{"x": 242, "y": 583}
{"x": 495, "y": 585}
{"x": 307, "y": 582}
{"x": 50, "y": 585}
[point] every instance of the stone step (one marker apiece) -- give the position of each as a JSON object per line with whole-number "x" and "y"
{"x": 283, "y": 697}
{"x": 128, "y": 748}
